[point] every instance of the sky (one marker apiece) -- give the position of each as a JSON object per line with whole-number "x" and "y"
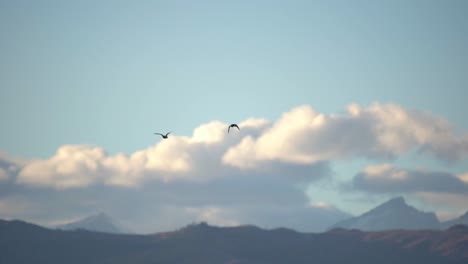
{"x": 341, "y": 105}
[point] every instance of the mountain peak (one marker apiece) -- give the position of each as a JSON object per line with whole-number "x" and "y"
{"x": 393, "y": 214}
{"x": 397, "y": 200}
{"x": 100, "y": 222}
{"x": 397, "y": 203}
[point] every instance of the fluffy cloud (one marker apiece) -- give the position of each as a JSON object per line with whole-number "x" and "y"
{"x": 179, "y": 158}
{"x": 247, "y": 176}
{"x": 72, "y": 166}
{"x": 301, "y": 137}
{"x": 386, "y": 178}
{"x": 380, "y": 132}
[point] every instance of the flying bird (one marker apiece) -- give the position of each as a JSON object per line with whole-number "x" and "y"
{"x": 233, "y": 125}
{"x": 162, "y": 135}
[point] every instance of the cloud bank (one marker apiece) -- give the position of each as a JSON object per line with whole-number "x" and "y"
{"x": 378, "y": 132}
{"x": 300, "y": 137}
{"x": 385, "y": 178}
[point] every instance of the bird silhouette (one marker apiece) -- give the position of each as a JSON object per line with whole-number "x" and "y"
{"x": 233, "y": 125}
{"x": 162, "y": 135}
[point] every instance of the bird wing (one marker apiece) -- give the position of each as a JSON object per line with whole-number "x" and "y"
{"x": 158, "y": 134}
{"x": 236, "y": 126}
{"x": 229, "y": 128}
{"x": 168, "y": 133}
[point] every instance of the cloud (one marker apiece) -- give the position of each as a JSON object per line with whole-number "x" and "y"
{"x": 300, "y": 137}
{"x": 260, "y": 199}
{"x": 449, "y": 205}
{"x": 378, "y": 132}
{"x": 463, "y": 177}
{"x": 256, "y": 175}
{"x": 385, "y": 178}
{"x": 72, "y": 166}
{"x": 173, "y": 159}
{"x": 171, "y": 184}
{"x": 445, "y": 200}
{"x": 9, "y": 167}
{"x": 179, "y": 158}
{"x": 3, "y": 175}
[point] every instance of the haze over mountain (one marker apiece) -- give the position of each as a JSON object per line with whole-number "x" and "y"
{"x": 393, "y": 214}
{"x": 100, "y": 222}
{"x": 22, "y": 242}
{"x": 461, "y": 220}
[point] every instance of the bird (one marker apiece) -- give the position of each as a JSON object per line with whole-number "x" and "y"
{"x": 162, "y": 135}
{"x": 233, "y": 125}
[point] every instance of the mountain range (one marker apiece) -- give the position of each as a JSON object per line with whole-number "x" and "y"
{"x": 21, "y": 242}
{"x": 391, "y": 215}
{"x": 396, "y": 214}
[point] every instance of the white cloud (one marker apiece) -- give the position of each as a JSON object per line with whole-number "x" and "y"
{"x": 300, "y": 137}
{"x": 380, "y": 131}
{"x": 195, "y": 158}
{"x": 71, "y": 166}
{"x": 257, "y": 123}
{"x": 212, "y": 132}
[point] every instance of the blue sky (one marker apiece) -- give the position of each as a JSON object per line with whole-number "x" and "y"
{"x": 110, "y": 73}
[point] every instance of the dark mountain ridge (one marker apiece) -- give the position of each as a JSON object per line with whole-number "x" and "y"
{"x": 21, "y": 242}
